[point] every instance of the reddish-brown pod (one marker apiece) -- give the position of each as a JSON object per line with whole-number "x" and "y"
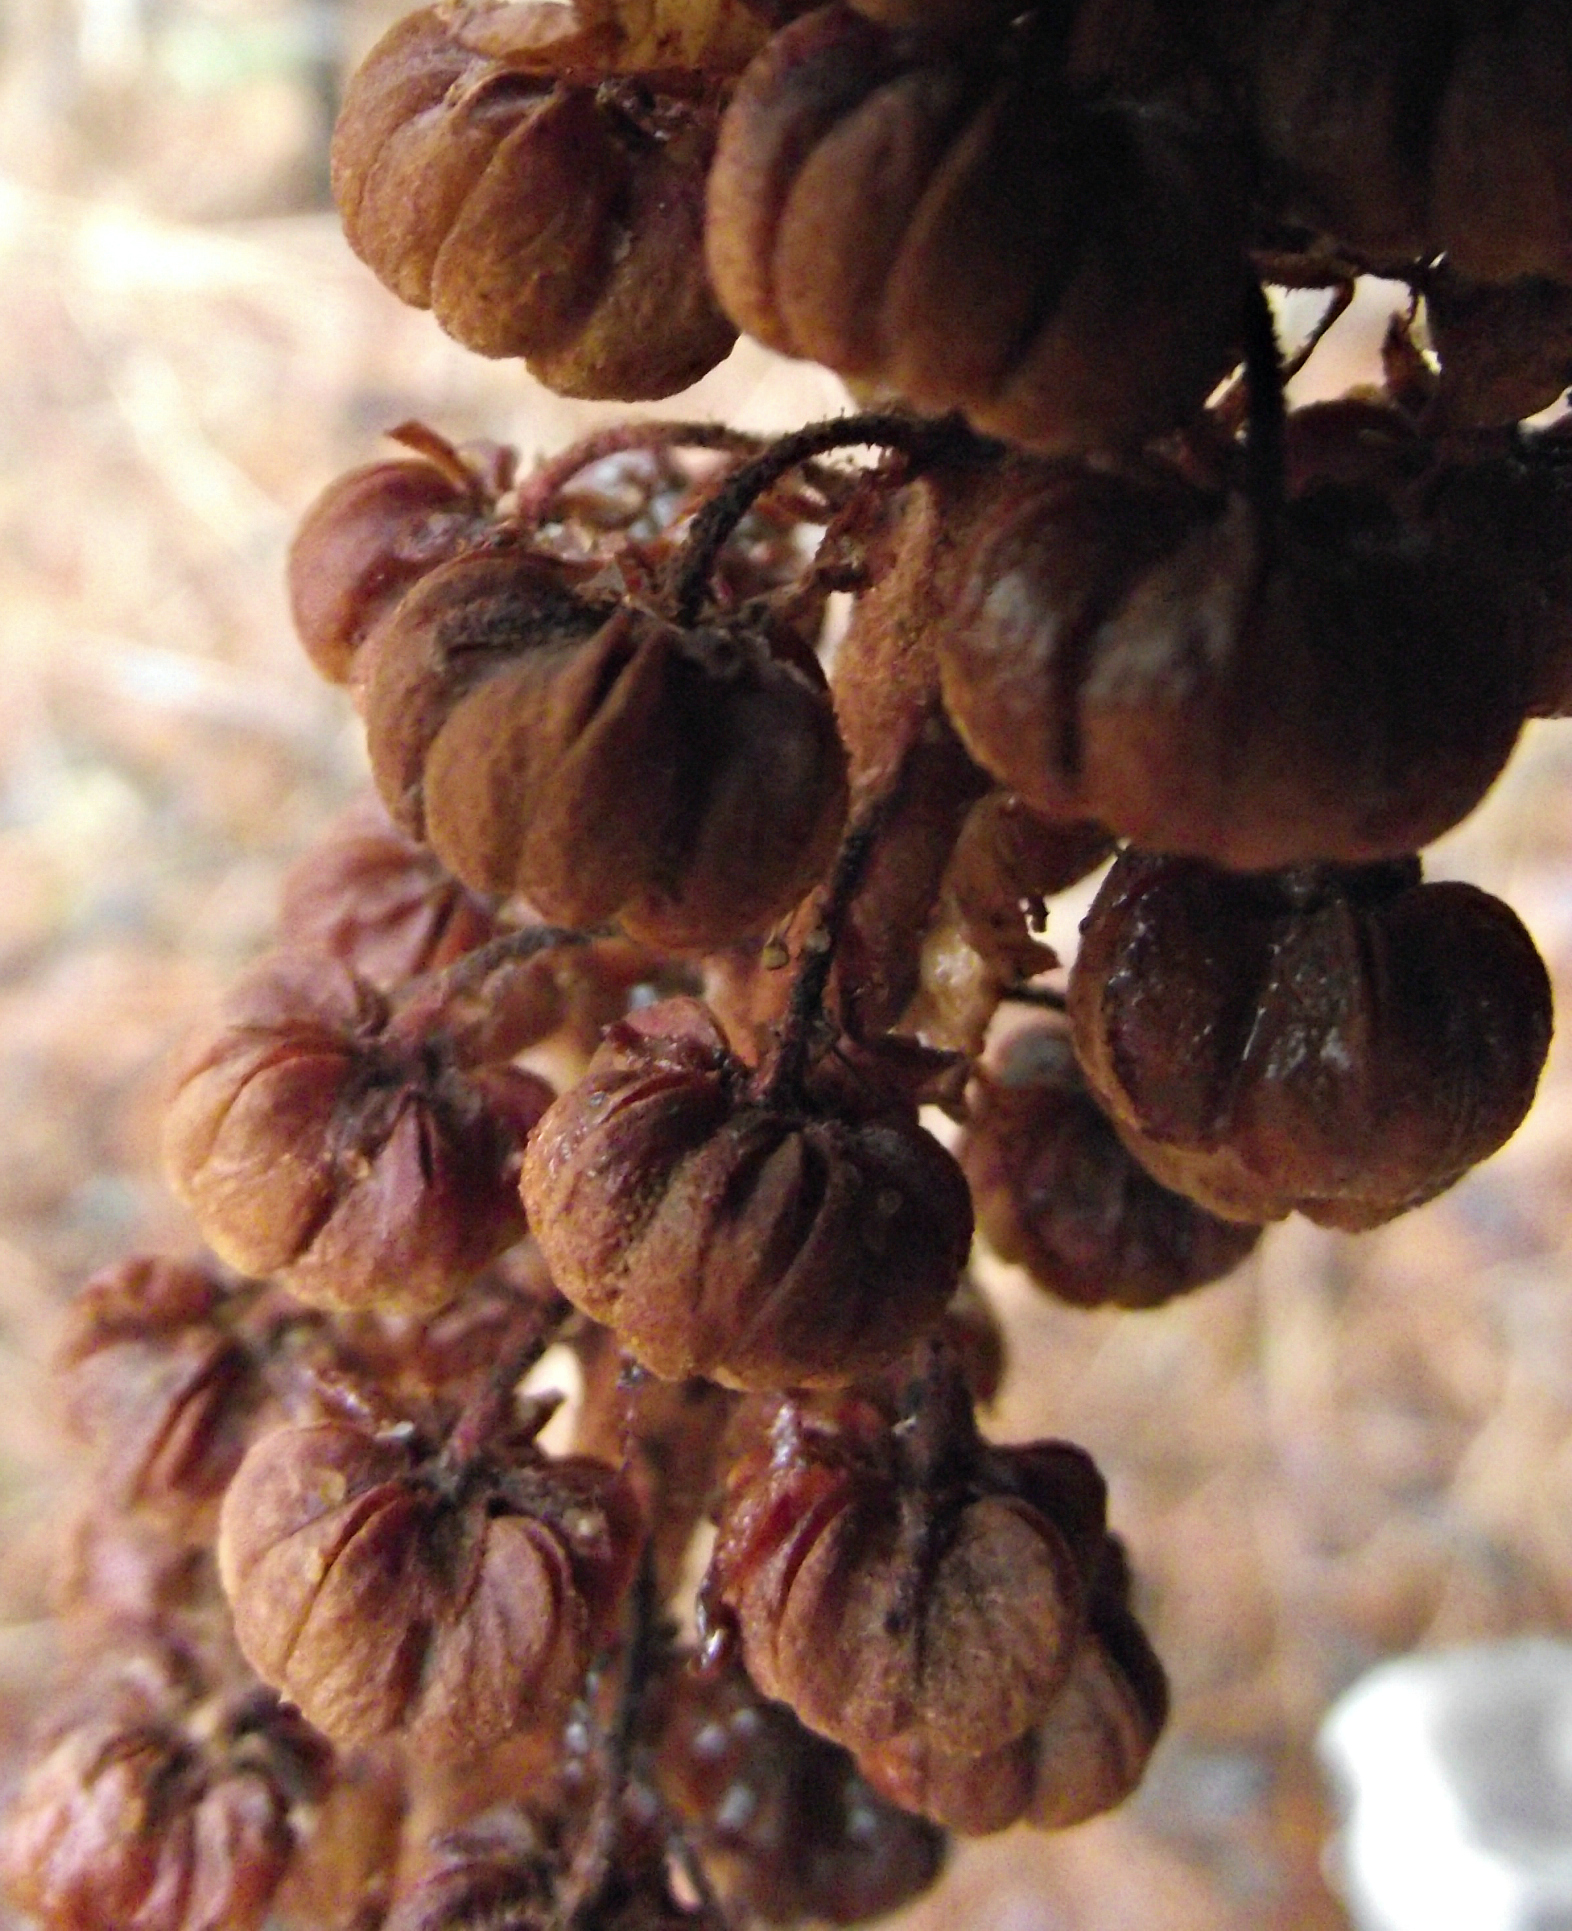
{"x": 906, "y": 1582}
{"x": 380, "y": 902}
{"x": 1056, "y": 1190}
{"x": 1086, "y": 1756}
{"x": 787, "y": 1827}
{"x": 1334, "y": 681}
{"x": 1343, "y": 1043}
{"x": 955, "y": 225}
{"x": 763, "y": 1239}
{"x": 155, "y": 1805}
{"x": 685, "y": 780}
{"x": 352, "y": 1151}
{"x": 386, "y": 1590}
{"x": 562, "y": 223}
{"x": 159, "y": 1377}
{"x": 375, "y": 531}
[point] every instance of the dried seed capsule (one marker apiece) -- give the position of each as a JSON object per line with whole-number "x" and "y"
{"x": 1056, "y": 1191}
{"x": 787, "y": 1827}
{"x": 377, "y": 530}
{"x": 1342, "y": 683}
{"x": 163, "y": 1383}
{"x": 381, "y": 903}
{"x": 361, "y": 1164}
{"x": 764, "y": 1241}
{"x": 1345, "y": 1043}
{"x": 560, "y": 223}
{"x": 688, "y": 782}
{"x": 954, "y": 226}
{"x": 162, "y": 1808}
{"x": 1085, "y": 1757}
{"x": 907, "y": 1583}
{"x": 383, "y": 1592}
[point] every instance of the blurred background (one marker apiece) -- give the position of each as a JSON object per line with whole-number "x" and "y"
{"x": 1350, "y": 1450}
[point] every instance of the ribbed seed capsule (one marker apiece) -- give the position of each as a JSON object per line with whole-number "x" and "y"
{"x": 956, "y": 227}
{"x": 383, "y": 1593}
{"x": 557, "y": 222}
{"x": 688, "y": 782}
{"x": 763, "y": 1241}
{"x": 1343, "y": 1043}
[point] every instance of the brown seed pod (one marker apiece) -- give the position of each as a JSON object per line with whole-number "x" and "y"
{"x": 1056, "y": 1191}
{"x": 562, "y": 223}
{"x": 907, "y": 1582}
{"x": 1347, "y": 1044}
{"x": 378, "y": 529}
{"x": 161, "y": 1376}
{"x": 786, "y": 1826}
{"x": 154, "y": 1805}
{"x": 381, "y": 903}
{"x": 1506, "y": 352}
{"x": 362, "y": 1162}
{"x": 1338, "y": 682}
{"x": 688, "y": 782}
{"x": 385, "y": 1592}
{"x": 1374, "y": 116}
{"x": 762, "y": 1240}
{"x": 1085, "y": 1757}
{"x": 953, "y": 225}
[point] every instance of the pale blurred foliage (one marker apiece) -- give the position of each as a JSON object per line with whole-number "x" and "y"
{"x": 1350, "y": 1448}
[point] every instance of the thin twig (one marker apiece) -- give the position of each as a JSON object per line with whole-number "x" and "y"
{"x": 714, "y": 524}
{"x": 537, "y": 494}
{"x": 492, "y": 1402}
{"x": 1265, "y": 453}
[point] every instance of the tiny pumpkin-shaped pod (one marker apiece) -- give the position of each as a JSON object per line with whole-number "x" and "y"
{"x": 887, "y": 1587}
{"x": 383, "y": 1592}
{"x": 763, "y": 1240}
{"x": 787, "y": 1827}
{"x": 160, "y": 1367}
{"x": 1343, "y": 1043}
{"x": 1408, "y": 129}
{"x": 562, "y": 223}
{"x": 1339, "y": 681}
{"x": 362, "y": 1161}
{"x": 375, "y": 531}
{"x": 1085, "y": 1757}
{"x": 954, "y": 225}
{"x": 1056, "y": 1190}
{"x": 687, "y": 781}
{"x": 158, "y": 1803}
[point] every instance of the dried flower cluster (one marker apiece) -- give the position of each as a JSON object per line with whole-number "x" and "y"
{"x": 609, "y": 1028}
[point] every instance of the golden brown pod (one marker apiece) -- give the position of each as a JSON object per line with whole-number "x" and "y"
{"x": 562, "y": 223}
{"x": 1056, "y": 1191}
{"x": 385, "y": 1592}
{"x": 889, "y": 1585}
{"x": 688, "y": 782}
{"x": 763, "y": 1240}
{"x": 363, "y": 1161}
{"x": 955, "y": 227}
{"x": 1343, "y": 1043}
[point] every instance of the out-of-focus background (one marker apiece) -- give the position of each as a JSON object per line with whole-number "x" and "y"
{"x": 1351, "y": 1449}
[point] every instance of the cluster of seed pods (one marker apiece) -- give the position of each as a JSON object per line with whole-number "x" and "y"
{"x": 606, "y": 1037}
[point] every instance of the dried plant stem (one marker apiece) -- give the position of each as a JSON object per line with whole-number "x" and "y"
{"x": 492, "y": 1403}
{"x": 912, "y": 436}
{"x": 537, "y": 495}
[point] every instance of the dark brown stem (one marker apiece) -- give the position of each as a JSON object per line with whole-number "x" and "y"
{"x": 490, "y": 1406}
{"x": 423, "y": 1002}
{"x": 1046, "y": 997}
{"x": 537, "y": 494}
{"x": 713, "y": 526}
{"x": 806, "y": 1002}
{"x": 483, "y": 482}
{"x": 1265, "y": 456}
{"x": 593, "y": 1864}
